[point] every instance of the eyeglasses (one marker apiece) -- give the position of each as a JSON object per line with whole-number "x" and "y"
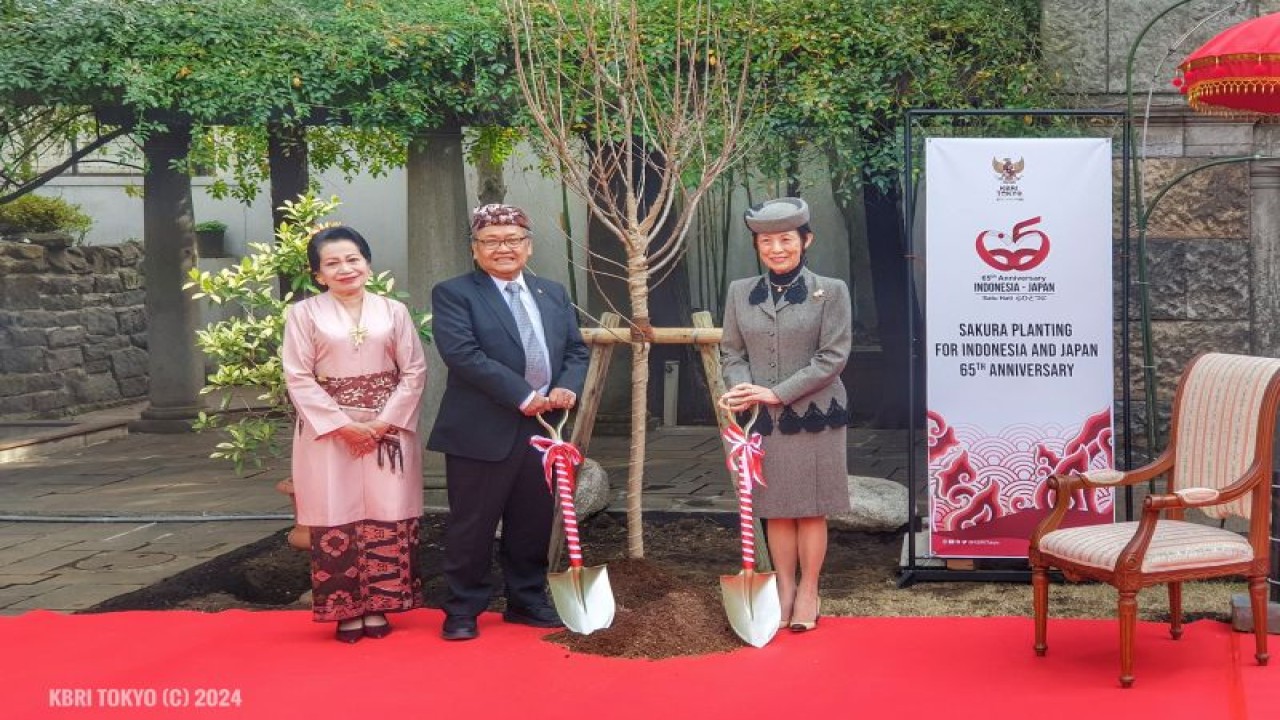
{"x": 511, "y": 243}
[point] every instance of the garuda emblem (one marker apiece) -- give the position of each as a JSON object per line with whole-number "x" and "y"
{"x": 1009, "y": 171}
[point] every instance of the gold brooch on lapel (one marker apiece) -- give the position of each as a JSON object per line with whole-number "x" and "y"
{"x": 358, "y": 334}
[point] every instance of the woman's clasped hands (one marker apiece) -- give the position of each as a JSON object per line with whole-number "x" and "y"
{"x": 743, "y": 395}
{"x": 362, "y": 437}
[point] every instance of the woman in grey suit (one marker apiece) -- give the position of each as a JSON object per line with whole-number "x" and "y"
{"x": 787, "y": 336}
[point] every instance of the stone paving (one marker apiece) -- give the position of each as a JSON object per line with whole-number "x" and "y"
{"x": 80, "y": 525}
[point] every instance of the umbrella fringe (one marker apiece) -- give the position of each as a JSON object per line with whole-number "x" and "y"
{"x": 1202, "y": 96}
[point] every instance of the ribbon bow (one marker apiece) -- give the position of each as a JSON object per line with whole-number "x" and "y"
{"x": 749, "y": 449}
{"x": 555, "y": 450}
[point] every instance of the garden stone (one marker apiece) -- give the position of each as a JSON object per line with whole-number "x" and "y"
{"x": 877, "y": 505}
{"x": 50, "y": 240}
{"x": 591, "y": 496}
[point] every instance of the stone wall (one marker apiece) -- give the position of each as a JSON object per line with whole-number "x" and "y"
{"x": 1208, "y": 252}
{"x": 73, "y": 328}
{"x": 1199, "y": 267}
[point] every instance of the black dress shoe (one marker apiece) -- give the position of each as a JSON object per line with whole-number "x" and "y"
{"x": 377, "y": 632}
{"x": 459, "y": 627}
{"x": 540, "y": 616}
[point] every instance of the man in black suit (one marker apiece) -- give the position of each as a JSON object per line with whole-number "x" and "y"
{"x": 512, "y": 346}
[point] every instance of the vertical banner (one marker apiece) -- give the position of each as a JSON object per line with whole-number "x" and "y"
{"x": 1018, "y": 343}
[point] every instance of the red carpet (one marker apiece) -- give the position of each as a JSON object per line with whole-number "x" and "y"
{"x": 284, "y": 666}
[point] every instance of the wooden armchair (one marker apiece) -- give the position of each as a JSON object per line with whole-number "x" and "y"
{"x": 1219, "y": 460}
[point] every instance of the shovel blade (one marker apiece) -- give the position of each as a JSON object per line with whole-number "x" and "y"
{"x": 583, "y": 598}
{"x": 751, "y": 602}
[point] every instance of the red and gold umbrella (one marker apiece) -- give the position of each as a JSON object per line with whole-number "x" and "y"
{"x": 1237, "y": 73}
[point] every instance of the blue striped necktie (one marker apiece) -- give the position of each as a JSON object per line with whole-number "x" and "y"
{"x": 536, "y": 372}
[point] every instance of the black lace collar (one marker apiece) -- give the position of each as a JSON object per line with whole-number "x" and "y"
{"x": 792, "y": 283}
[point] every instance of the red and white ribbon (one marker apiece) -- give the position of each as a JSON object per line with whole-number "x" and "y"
{"x": 559, "y": 458}
{"x": 746, "y": 460}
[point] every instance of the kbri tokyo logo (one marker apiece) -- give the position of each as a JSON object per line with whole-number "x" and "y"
{"x": 1008, "y": 173}
{"x": 1021, "y": 250}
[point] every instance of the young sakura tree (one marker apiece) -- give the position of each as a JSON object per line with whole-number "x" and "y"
{"x": 641, "y": 104}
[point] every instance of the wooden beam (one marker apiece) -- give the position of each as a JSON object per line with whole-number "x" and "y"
{"x": 661, "y": 336}
{"x": 584, "y": 422}
{"x": 593, "y": 387}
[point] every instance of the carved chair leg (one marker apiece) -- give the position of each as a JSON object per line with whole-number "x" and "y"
{"x": 1040, "y": 605}
{"x": 1258, "y": 604}
{"x": 1128, "y": 624}
{"x": 1175, "y": 610}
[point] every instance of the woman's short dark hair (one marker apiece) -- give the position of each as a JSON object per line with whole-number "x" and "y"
{"x": 332, "y": 235}
{"x": 803, "y": 230}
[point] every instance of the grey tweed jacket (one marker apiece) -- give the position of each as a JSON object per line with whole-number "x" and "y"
{"x": 797, "y": 350}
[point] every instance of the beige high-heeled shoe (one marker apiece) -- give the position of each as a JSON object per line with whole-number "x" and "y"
{"x": 807, "y": 626}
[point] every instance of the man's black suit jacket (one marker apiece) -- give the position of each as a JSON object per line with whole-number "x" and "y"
{"x": 475, "y": 333}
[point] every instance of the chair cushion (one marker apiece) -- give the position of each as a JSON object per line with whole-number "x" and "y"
{"x": 1177, "y": 545}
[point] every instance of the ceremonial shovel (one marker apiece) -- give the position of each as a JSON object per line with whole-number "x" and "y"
{"x": 750, "y": 598}
{"x": 582, "y": 595}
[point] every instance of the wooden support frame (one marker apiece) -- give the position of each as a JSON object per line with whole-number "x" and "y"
{"x": 602, "y": 340}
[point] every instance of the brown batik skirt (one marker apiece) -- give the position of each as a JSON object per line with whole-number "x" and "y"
{"x": 364, "y": 567}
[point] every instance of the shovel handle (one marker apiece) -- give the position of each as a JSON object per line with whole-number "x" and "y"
{"x": 564, "y": 491}
{"x": 746, "y": 517}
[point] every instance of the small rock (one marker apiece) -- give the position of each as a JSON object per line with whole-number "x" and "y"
{"x": 878, "y": 505}
{"x": 591, "y": 496}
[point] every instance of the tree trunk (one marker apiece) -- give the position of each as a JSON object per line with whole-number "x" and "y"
{"x": 491, "y": 184}
{"x": 638, "y": 287}
{"x": 287, "y": 164}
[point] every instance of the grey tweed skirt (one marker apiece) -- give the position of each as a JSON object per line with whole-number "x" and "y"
{"x": 806, "y": 474}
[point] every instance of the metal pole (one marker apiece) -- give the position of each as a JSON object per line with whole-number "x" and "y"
{"x": 1126, "y": 392}
{"x": 908, "y": 207}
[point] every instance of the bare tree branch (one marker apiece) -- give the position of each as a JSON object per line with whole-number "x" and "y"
{"x": 641, "y": 117}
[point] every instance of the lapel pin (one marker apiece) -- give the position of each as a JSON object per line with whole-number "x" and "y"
{"x": 819, "y": 293}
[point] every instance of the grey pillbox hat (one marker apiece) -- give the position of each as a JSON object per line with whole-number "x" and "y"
{"x": 778, "y": 215}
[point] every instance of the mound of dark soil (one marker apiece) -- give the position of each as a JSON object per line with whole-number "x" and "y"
{"x": 659, "y": 615}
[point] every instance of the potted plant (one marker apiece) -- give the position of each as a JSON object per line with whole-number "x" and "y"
{"x": 211, "y": 236}
{"x": 247, "y": 347}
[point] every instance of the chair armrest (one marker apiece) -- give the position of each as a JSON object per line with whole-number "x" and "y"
{"x": 1130, "y": 559}
{"x": 1120, "y": 478}
{"x": 1184, "y": 498}
{"x": 1063, "y": 487}
{"x": 1103, "y": 477}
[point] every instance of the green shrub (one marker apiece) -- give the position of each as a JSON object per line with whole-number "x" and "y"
{"x": 211, "y": 226}
{"x": 41, "y": 214}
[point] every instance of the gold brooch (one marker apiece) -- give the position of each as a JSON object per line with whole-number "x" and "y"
{"x": 358, "y": 334}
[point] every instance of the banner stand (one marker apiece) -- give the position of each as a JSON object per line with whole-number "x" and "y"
{"x": 919, "y": 568}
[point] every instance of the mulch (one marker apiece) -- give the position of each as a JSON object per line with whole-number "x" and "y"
{"x": 659, "y": 615}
